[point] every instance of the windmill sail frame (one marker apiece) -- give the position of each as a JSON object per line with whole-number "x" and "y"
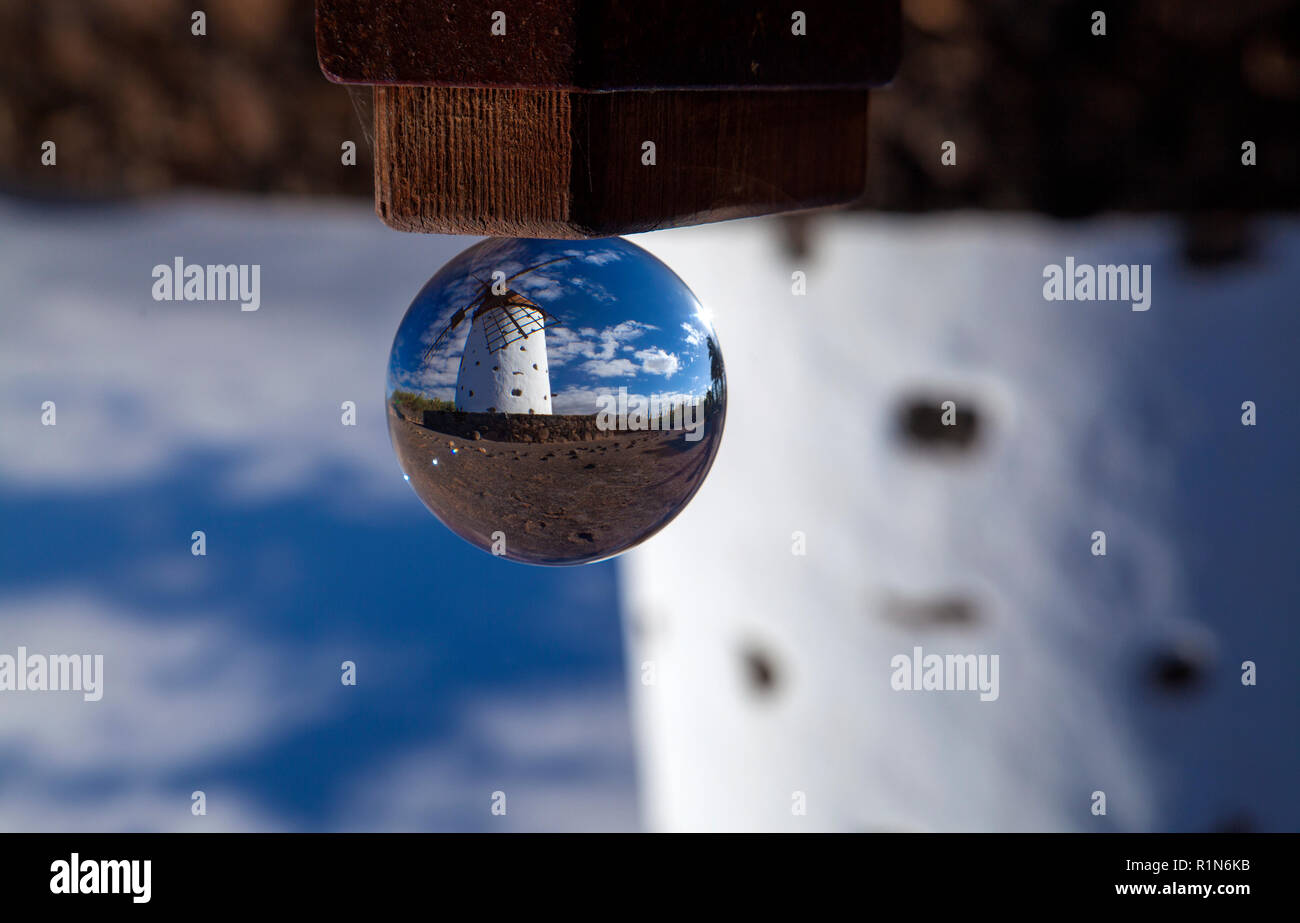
{"x": 500, "y": 313}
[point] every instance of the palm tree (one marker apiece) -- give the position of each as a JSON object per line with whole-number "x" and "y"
{"x": 717, "y": 372}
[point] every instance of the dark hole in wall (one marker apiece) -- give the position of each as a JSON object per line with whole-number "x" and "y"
{"x": 1176, "y": 672}
{"x": 921, "y": 424}
{"x": 1239, "y": 822}
{"x": 760, "y": 671}
{"x": 796, "y": 235}
{"x": 937, "y": 612}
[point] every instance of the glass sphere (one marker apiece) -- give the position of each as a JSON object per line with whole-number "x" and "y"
{"x": 555, "y": 401}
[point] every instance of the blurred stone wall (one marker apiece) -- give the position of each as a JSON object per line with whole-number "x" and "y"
{"x": 1045, "y": 115}
{"x": 136, "y": 104}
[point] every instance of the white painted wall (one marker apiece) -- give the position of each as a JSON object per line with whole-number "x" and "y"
{"x": 1097, "y": 417}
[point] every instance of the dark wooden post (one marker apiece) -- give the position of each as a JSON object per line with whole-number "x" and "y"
{"x": 587, "y": 118}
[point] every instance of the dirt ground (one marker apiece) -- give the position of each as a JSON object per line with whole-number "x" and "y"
{"x": 556, "y": 502}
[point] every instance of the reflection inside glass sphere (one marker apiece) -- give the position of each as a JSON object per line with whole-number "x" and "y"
{"x": 555, "y": 401}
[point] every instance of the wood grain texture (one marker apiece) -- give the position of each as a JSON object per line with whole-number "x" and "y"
{"x": 609, "y": 44}
{"x": 493, "y": 162}
{"x": 552, "y": 163}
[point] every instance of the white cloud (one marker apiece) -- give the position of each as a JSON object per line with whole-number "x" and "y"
{"x": 658, "y": 362}
{"x": 182, "y": 697}
{"x": 204, "y": 688}
{"x": 596, "y": 257}
{"x": 139, "y": 383}
{"x": 564, "y": 344}
{"x": 586, "y": 400}
{"x": 610, "y": 368}
{"x": 548, "y": 293}
{"x": 562, "y": 760}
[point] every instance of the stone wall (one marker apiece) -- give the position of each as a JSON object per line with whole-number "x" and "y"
{"x": 513, "y": 427}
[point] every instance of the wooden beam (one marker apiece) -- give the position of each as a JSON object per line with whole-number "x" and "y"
{"x": 610, "y": 44}
{"x": 554, "y": 163}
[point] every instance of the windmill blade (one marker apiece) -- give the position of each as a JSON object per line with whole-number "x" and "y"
{"x": 523, "y": 301}
{"x": 520, "y": 300}
{"x": 456, "y": 320}
{"x": 514, "y": 298}
{"x": 445, "y": 332}
{"x": 524, "y": 272}
{"x": 548, "y": 319}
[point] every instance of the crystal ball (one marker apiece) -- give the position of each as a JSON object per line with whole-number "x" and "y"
{"x": 555, "y": 401}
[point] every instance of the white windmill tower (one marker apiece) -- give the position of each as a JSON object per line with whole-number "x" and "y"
{"x": 504, "y": 366}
